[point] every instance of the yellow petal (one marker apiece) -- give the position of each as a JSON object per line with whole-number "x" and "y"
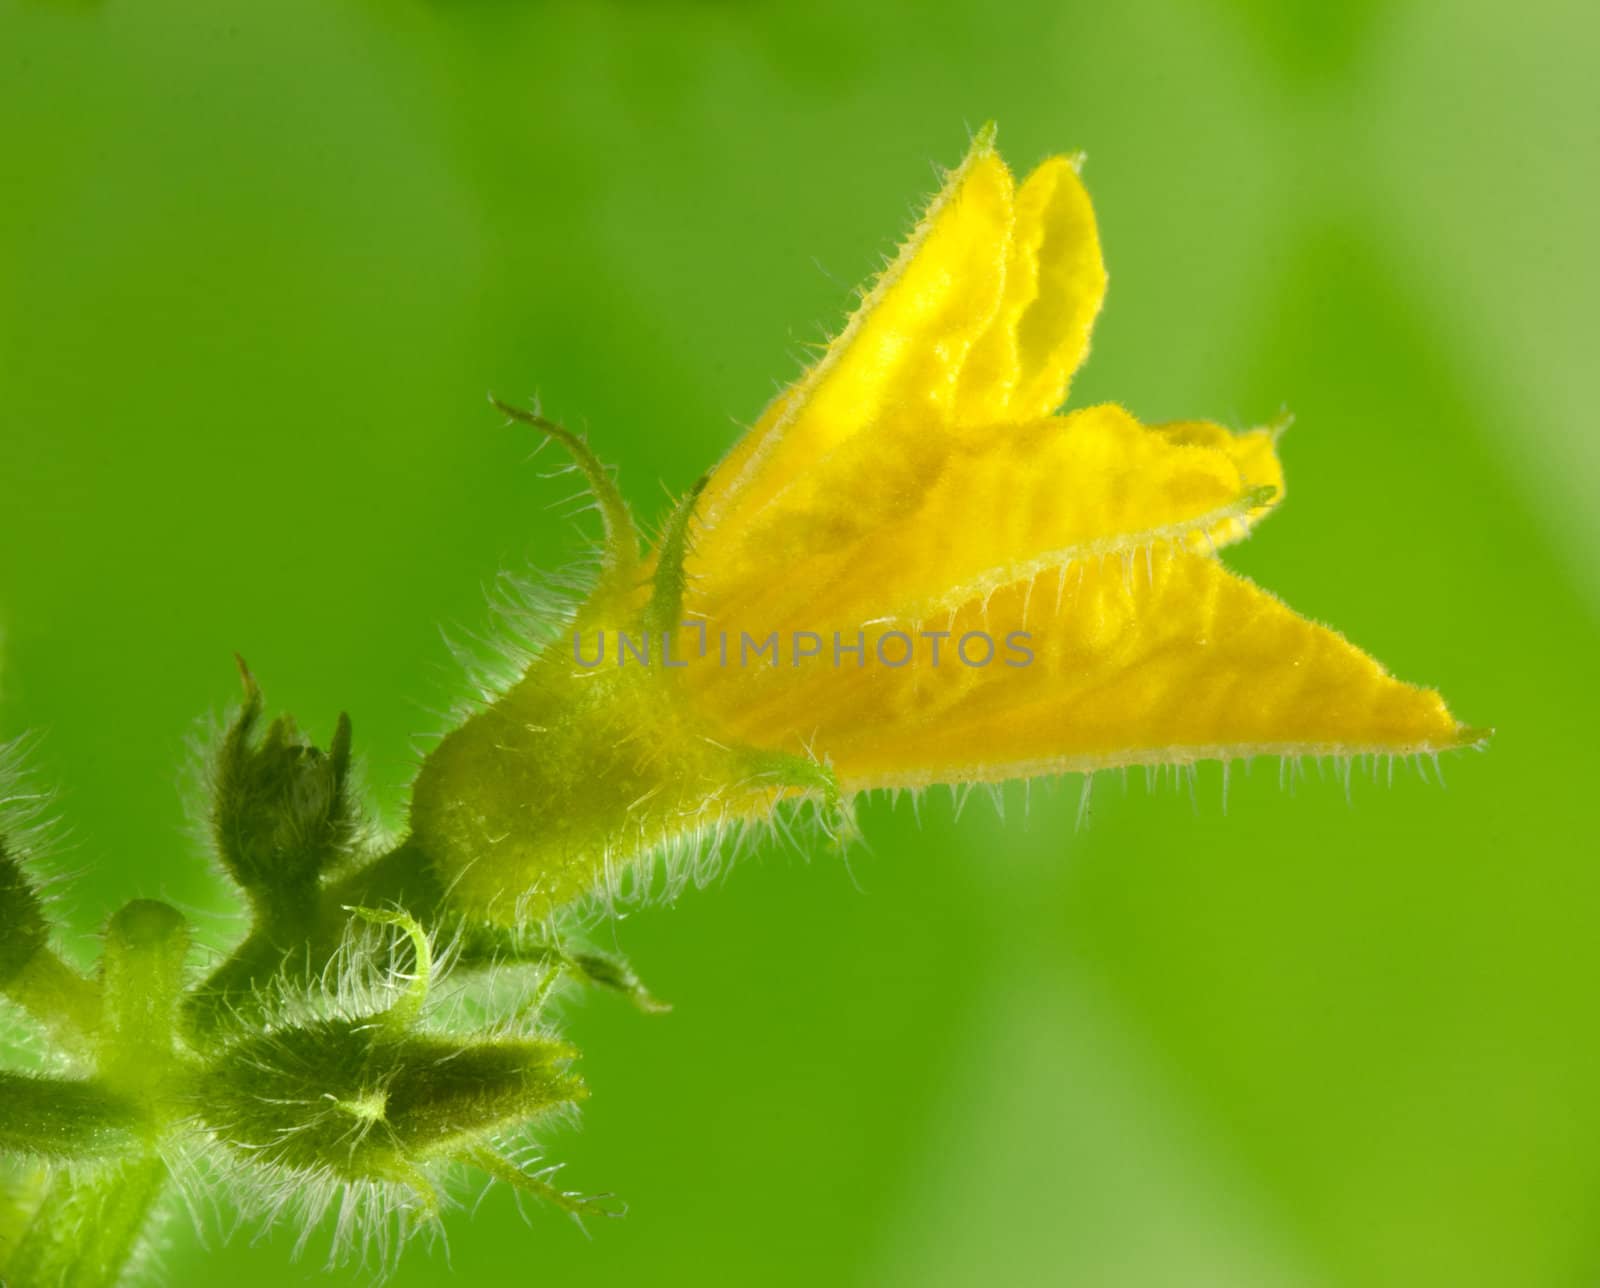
{"x": 1055, "y": 283}
{"x": 1254, "y": 452}
{"x": 918, "y": 528}
{"x": 1173, "y": 663}
{"x": 899, "y": 357}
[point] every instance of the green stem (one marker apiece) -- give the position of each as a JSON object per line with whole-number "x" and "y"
{"x": 87, "y": 1226}
{"x": 400, "y": 878}
{"x": 67, "y": 1004}
{"x": 278, "y": 953}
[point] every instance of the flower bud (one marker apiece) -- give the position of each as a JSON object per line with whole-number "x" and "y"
{"x": 281, "y": 811}
{"x": 355, "y": 1099}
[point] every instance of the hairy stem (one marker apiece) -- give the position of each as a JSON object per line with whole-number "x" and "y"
{"x": 87, "y": 1226}
{"x": 63, "y": 1001}
{"x": 279, "y": 953}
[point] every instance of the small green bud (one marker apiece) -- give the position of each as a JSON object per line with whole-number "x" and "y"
{"x": 281, "y": 811}
{"x": 356, "y": 1100}
{"x": 23, "y": 929}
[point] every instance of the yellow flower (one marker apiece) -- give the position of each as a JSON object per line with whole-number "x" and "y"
{"x": 912, "y": 571}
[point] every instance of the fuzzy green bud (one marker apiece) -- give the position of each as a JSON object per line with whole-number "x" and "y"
{"x": 358, "y": 1100}
{"x": 281, "y": 810}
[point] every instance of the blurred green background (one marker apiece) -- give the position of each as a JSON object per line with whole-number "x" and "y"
{"x": 259, "y": 265}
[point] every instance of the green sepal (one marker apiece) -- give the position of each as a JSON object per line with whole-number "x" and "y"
{"x": 619, "y": 552}
{"x": 816, "y": 779}
{"x": 665, "y": 608}
{"x": 613, "y": 973}
{"x": 538, "y": 1183}
{"x": 601, "y": 970}
{"x": 485, "y": 947}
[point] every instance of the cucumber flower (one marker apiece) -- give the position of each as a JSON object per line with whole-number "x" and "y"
{"x": 913, "y": 570}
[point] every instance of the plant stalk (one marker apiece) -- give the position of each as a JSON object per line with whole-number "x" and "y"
{"x": 87, "y": 1227}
